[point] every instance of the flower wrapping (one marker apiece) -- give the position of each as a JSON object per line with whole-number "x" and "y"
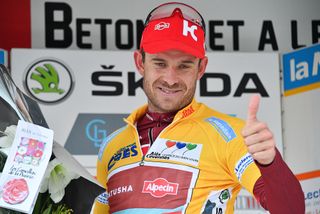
{"x": 67, "y": 187}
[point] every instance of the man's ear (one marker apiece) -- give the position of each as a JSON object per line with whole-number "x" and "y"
{"x": 202, "y": 67}
{"x": 139, "y": 62}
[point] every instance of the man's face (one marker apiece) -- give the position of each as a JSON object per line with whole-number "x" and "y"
{"x": 170, "y": 79}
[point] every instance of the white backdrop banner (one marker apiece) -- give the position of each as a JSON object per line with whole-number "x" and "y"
{"x": 310, "y": 182}
{"x": 84, "y": 95}
{"x": 246, "y": 25}
{"x": 301, "y": 120}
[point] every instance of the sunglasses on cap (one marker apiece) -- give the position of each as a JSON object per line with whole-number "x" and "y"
{"x": 166, "y": 10}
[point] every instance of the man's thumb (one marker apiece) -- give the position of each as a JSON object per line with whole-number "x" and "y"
{"x": 253, "y": 108}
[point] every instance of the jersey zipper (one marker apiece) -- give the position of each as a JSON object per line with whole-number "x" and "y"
{"x": 137, "y": 134}
{"x": 143, "y": 157}
{"x": 142, "y": 161}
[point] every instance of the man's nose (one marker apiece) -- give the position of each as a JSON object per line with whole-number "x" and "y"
{"x": 171, "y": 76}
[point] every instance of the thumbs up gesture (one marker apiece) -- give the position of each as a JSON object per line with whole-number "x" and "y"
{"x": 257, "y": 136}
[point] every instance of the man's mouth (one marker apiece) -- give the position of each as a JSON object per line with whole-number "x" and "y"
{"x": 168, "y": 91}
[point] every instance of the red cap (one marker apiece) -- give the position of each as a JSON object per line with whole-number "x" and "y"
{"x": 173, "y": 33}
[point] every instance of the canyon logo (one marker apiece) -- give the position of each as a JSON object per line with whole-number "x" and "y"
{"x": 160, "y": 187}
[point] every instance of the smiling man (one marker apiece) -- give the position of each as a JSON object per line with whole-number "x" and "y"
{"x": 179, "y": 156}
{"x": 169, "y": 78}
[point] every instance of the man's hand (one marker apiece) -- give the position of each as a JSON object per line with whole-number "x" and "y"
{"x": 257, "y": 136}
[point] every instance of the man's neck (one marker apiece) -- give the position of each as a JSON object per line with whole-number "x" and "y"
{"x": 150, "y": 125}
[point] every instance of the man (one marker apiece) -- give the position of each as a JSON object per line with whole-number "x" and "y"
{"x": 179, "y": 156}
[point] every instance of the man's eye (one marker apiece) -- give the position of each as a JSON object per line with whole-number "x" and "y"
{"x": 160, "y": 64}
{"x": 184, "y": 66}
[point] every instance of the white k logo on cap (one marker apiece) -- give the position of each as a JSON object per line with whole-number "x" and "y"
{"x": 187, "y": 29}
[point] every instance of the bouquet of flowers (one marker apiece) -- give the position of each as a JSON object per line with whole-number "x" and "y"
{"x": 52, "y": 189}
{"x": 64, "y": 180}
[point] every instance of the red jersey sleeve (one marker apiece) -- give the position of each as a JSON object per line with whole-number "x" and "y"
{"x": 278, "y": 190}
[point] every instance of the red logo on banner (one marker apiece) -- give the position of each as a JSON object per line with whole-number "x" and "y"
{"x": 160, "y": 187}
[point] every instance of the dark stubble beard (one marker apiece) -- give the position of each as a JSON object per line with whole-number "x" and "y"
{"x": 184, "y": 102}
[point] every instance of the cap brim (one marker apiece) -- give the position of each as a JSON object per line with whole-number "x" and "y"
{"x": 165, "y": 45}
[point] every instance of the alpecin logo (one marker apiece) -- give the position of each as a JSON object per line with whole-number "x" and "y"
{"x": 160, "y": 187}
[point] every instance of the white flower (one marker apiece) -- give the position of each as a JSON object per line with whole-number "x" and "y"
{"x": 7, "y": 140}
{"x": 56, "y": 178}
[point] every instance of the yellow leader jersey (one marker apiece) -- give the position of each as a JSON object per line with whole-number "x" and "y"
{"x": 197, "y": 164}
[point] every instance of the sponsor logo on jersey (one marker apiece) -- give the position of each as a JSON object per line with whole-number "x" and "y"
{"x": 160, "y": 187}
{"x": 164, "y": 186}
{"x": 223, "y": 128}
{"x": 124, "y": 152}
{"x": 107, "y": 140}
{"x": 242, "y": 164}
{"x": 216, "y": 202}
{"x": 120, "y": 190}
{"x": 185, "y": 152}
{"x": 103, "y": 198}
{"x": 188, "y": 111}
{"x": 224, "y": 196}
